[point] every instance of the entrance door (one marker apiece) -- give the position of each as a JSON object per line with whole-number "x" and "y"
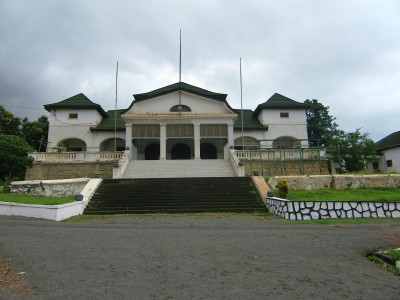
{"x": 180, "y": 151}
{"x": 152, "y": 152}
{"x": 208, "y": 151}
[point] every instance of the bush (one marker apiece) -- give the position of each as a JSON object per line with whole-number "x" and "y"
{"x": 283, "y": 188}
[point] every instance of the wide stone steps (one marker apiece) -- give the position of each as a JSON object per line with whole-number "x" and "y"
{"x": 175, "y": 195}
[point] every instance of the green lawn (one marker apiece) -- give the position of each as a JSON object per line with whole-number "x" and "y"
{"x": 30, "y": 199}
{"x": 346, "y": 195}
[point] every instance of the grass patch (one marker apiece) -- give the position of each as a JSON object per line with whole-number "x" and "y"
{"x": 31, "y": 199}
{"x": 380, "y": 195}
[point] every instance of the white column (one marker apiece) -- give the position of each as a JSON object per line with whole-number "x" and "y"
{"x": 163, "y": 140}
{"x": 128, "y": 135}
{"x": 196, "y": 141}
{"x": 231, "y": 137}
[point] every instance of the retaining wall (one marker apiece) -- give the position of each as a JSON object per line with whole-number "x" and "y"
{"x": 315, "y": 210}
{"x": 287, "y": 167}
{"x": 47, "y": 171}
{"x": 52, "y": 212}
{"x": 340, "y": 182}
{"x": 50, "y": 188}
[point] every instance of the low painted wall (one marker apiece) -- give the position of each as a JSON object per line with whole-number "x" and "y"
{"x": 50, "y": 188}
{"x": 315, "y": 210}
{"x": 52, "y": 212}
{"x": 340, "y": 182}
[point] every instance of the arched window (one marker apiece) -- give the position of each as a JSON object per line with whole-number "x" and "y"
{"x": 72, "y": 145}
{"x": 180, "y": 108}
{"x": 246, "y": 143}
{"x": 286, "y": 142}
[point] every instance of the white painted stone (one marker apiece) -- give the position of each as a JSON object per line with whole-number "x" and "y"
{"x": 349, "y": 214}
{"x": 331, "y": 205}
{"x": 356, "y": 214}
{"x": 353, "y": 205}
{"x": 346, "y": 206}
{"x": 396, "y": 214}
{"x": 292, "y": 217}
{"x": 314, "y": 215}
{"x": 338, "y": 205}
{"x": 323, "y": 212}
{"x": 391, "y": 207}
{"x": 317, "y": 206}
{"x": 309, "y": 204}
{"x": 324, "y": 205}
{"x": 365, "y": 206}
{"x": 299, "y": 216}
{"x": 366, "y": 214}
{"x": 381, "y": 213}
{"x": 307, "y": 217}
{"x": 372, "y": 206}
{"x": 296, "y": 206}
{"x": 332, "y": 214}
{"x": 359, "y": 208}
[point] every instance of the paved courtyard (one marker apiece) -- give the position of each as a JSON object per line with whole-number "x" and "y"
{"x": 197, "y": 257}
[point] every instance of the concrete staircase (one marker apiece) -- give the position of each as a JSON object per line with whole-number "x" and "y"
{"x": 178, "y": 168}
{"x": 175, "y": 195}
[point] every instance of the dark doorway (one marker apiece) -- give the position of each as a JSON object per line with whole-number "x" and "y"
{"x": 152, "y": 152}
{"x": 208, "y": 151}
{"x": 180, "y": 151}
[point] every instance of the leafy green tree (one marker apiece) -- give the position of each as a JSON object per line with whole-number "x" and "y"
{"x": 9, "y": 124}
{"x": 321, "y": 126}
{"x": 352, "y": 150}
{"x": 13, "y": 157}
{"x": 35, "y": 133}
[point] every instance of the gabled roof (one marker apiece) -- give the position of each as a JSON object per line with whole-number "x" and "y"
{"x": 250, "y": 122}
{"x": 277, "y": 101}
{"x": 180, "y": 86}
{"x": 108, "y": 124}
{"x": 391, "y": 141}
{"x": 79, "y": 101}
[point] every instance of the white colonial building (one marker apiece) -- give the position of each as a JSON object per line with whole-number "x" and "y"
{"x": 179, "y": 121}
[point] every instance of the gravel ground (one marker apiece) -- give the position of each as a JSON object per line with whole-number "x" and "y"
{"x": 197, "y": 257}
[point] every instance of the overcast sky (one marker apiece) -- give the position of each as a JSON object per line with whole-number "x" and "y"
{"x": 345, "y": 53}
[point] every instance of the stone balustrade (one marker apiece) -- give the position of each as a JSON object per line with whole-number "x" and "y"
{"x": 76, "y": 156}
{"x": 279, "y": 154}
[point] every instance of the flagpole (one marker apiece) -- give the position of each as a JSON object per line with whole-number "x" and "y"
{"x": 115, "y": 111}
{"x": 180, "y": 63}
{"x": 241, "y": 101}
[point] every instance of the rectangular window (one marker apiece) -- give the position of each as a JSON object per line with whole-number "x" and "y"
{"x": 180, "y": 130}
{"x": 284, "y": 115}
{"x": 213, "y": 130}
{"x": 73, "y": 115}
{"x": 375, "y": 166}
{"x": 389, "y": 163}
{"x": 145, "y": 131}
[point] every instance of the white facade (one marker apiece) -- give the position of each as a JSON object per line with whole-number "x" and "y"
{"x": 175, "y": 122}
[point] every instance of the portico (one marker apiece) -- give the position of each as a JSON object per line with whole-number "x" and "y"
{"x": 179, "y": 122}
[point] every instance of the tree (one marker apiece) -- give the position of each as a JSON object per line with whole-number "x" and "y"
{"x": 8, "y": 123}
{"x": 35, "y": 133}
{"x": 13, "y": 157}
{"x": 352, "y": 150}
{"x": 321, "y": 127}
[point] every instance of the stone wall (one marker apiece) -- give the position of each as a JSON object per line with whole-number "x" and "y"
{"x": 288, "y": 167}
{"x": 43, "y": 171}
{"x": 315, "y": 210}
{"x": 50, "y": 188}
{"x": 340, "y": 182}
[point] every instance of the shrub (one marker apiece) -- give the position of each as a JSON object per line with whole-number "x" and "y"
{"x": 283, "y": 188}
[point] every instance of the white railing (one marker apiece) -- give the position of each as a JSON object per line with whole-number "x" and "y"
{"x": 76, "y": 156}
{"x": 119, "y": 168}
{"x": 236, "y": 164}
{"x": 279, "y": 154}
